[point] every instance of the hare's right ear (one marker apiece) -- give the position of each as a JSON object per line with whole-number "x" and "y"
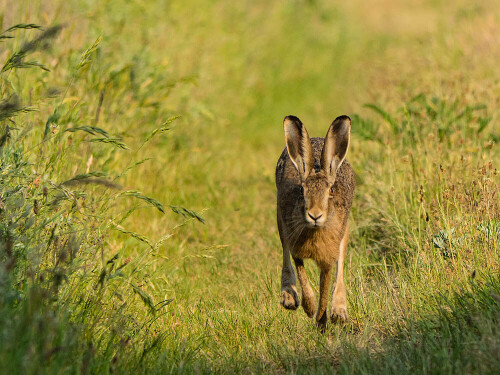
{"x": 336, "y": 145}
{"x": 298, "y": 145}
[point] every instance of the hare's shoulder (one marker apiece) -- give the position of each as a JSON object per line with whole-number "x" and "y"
{"x": 286, "y": 173}
{"x": 344, "y": 186}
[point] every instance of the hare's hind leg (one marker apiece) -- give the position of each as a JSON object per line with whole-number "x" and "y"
{"x": 289, "y": 296}
{"x": 339, "y": 299}
{"x": 308, "y": 302}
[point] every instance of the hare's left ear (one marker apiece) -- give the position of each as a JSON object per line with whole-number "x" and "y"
{"x": 298, "y": 145}
{"x": 336, "y": 145}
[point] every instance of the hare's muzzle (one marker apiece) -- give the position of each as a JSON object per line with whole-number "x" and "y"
{"x": 315, "y": 218}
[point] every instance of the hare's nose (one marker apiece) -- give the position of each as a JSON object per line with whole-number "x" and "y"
{"x": 314, "y": 217}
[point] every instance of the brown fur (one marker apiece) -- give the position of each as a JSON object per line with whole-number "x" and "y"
{"x": 300, "y": 238}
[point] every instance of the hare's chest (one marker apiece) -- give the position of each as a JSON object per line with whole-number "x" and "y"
{"x": 322, "y": 247}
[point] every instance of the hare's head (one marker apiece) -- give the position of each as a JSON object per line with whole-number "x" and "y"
{"x": 316, "y": 181}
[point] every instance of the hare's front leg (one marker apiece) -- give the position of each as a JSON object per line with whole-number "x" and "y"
{"x": 339, "y": 299}
{"x": 324, "y": 286}
{"x": 289, "y": 296}
{"x": 308, "y": 302}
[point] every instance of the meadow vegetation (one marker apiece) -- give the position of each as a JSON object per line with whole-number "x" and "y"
{"x": 138, "y": 142}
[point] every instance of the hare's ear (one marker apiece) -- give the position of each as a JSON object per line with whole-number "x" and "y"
{"x": 336, "y": 145}
{"x": 298, "y": 145}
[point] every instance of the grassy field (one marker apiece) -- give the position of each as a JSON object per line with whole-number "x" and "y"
{"x": 138, "y": 142}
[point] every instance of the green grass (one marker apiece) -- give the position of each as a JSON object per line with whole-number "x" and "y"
{"x": 154, "y": 117}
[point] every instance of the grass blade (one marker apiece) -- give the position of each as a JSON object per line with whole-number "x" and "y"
{"x": 137, "y": 236}
{"x": 146, "y": 298}
{"x": 139, "y": 195}
{"x": 86, "y": 56}
{"x": 386, "y": 116}
{"x": 89, "y": 129}
{"x": 25, "y": 26}
{"x": 187, "y": 213}
{"x": 162, "y": 129}
{"x": 112, "y": 141}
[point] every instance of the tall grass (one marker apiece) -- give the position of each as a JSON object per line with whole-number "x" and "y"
{"x": 66, "y": 295}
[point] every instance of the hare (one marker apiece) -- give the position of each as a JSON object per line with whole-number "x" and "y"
{"x": 315, "y": 191}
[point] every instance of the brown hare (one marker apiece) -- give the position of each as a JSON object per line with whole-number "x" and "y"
{"x": 315, "y": 191}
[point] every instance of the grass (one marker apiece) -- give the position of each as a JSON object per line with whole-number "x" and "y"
{"x": 138, "y": 147}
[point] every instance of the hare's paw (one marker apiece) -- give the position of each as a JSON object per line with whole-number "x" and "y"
{"x": 321, "y": 321}
{"x": 289, "y": 297}
{"x": 309, "y": 305}
{"x": 339, "y": 314}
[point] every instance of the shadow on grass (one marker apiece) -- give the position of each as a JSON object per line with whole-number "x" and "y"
{"x": 455, "y": 335}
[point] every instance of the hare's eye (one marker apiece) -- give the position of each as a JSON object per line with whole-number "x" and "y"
{"x": 331, "y": 190}
{"x": 301, "y": 189}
